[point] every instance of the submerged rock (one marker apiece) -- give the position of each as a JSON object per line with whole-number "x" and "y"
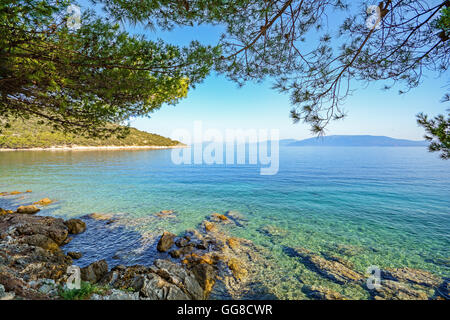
{"x": 31, "y": 209}
{"x": 273, "y": 231}
{"x": 209, "y": 226}
{"x": 393, "y": 290}
{"x": 217, "y": 217}
{"x": 322, "y": 293}
{"x": 44, "y": 202}
{"x": 108, "y": 217}
{"x": 349, "y": 249}
{"x": 409, "y": 275}
{"x": 444, "y": 289}
{"x": 75, "y": 226}
{"x": 166, "y": 214}
{"x": 236, "y": 217}
{"x": 3, "y": 212}
{"x": 334, "y": 270}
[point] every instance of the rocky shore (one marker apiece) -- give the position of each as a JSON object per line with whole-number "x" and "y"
{"x": 34, "y": 266}
{"x": 201, "y": 263}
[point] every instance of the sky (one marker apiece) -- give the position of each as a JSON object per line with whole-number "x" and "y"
{"x": 220, "y": 104}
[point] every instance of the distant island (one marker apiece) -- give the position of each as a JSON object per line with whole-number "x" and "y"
{"x": 28, "y": 134}
{"x": 354, "y": 141}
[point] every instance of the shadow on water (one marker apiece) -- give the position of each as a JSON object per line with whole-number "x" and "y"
{"x": 116, "y": 244}
{"x": 7, "y": 203}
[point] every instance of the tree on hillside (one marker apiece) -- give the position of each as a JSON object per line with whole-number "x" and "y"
{"x": 91, "y": 79}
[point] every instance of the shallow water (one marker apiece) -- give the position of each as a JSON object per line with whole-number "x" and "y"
{"x": 389, "y": 206}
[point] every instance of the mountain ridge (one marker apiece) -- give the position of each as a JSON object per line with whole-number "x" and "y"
{"x": 356, "y": 141}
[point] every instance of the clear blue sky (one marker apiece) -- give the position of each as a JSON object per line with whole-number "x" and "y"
{"x": 221, "y": 105}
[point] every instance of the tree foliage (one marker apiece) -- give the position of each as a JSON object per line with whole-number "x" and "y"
{"x": 312, "y": 57}
{"x": 313, "y": 49}
{"x": 91, "y": 79}
{"x": 437, "y": 132}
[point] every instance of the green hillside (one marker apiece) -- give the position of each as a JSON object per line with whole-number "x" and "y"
{"x": 29, "y": 134}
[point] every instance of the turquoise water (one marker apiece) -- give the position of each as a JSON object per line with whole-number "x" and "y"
{"x": 391, "y": 204}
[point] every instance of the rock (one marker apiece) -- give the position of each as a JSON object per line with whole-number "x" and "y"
{"x": 156, "y": 288}
{"x": 166, "y": 241}
{"x": 3, "y": 211}
{"x": 348, "y": 249}
{"x": 209, "y": 226}
{"x": 182, "y": 242}
{"x": 68, "y": 239}
{"x": 48, "y": 287}
{"x": 31, "y": 209}
{"x": 26, "y": 225}
{"x": 439, "y": 261}
{"x": 235, "y": 266}
{"x": 193, "y": 235}
{"x": 273, "y": 231}
{"x": 393, "y": 290}
{"x": 164, "y": 280}
{"x": 206, "y": 276}
{"x": 95, "y": 271}
{"x": 75, "y": 226}
{"x": 333, "y": 270}
{"x": 217, "y": 217}
{"x": 201, "y": 244}
{"x": 236, "y": 217}
{"x": 15, "y": 283}
{"x": 180, "y": 277}
{"x": 108, "y": 217}
{"x": 116, "y": 294}
{"x": 444, "y": 289}
{"x": 166, "y": 214}
{"x": 233, "y": 243}
{"x": 339, "y": 259}
{"x": 409, "y": 275}
{"x": 322, "y": 293}
{"x": 40, "y": 240}
{"x": 30, "y": 251}
{"x": 177, "y": 253}
{"x": 74, "y": 254}
{"x": 44, "y": 202}
{"x": 6, "y": 295}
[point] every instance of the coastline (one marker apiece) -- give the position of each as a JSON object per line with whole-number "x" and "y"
{"x": 205, "y": 262}
{"x": 91, "y": 148}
